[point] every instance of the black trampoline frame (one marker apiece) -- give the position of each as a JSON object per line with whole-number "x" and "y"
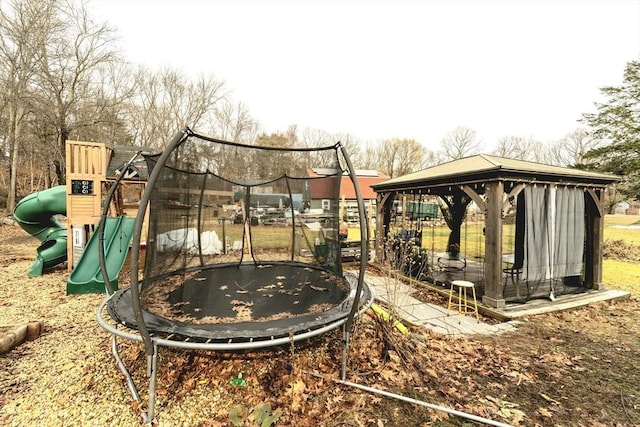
{"x": 358, "y": 300}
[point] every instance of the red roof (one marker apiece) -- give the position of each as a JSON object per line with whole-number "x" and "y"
{"x": 321, "y": 188}
{"x": 348, "y": 191}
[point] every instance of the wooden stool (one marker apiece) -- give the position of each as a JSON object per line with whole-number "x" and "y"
{"x": 463, "y": 284}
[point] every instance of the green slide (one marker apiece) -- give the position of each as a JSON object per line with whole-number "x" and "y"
{"x": 86, "y": 277}
{"x": 36, "y": 215}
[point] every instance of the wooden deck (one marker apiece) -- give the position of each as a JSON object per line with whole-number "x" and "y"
{"x": 560, "y": 303}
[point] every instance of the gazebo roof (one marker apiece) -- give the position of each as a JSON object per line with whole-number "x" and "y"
{"x": 484, "y": 167}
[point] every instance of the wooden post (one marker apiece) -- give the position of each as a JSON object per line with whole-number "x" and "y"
{"x": 597, "y": 224}
{"x": 383, "y": 212}
{"x": 493, "y": 295}
{"x": 372, "y": 232}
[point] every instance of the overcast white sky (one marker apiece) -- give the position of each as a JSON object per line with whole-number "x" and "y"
{"x": 387, "y": 69}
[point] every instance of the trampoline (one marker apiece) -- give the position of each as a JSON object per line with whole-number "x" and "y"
{"x": 240, "y": 249}
{"x": 256, "y": 303}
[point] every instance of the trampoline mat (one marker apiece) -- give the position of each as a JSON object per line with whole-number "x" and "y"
{"x": 241, "y": 302}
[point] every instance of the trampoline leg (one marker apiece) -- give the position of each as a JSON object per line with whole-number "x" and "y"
{"x": 345, "y": 345}
{"x": 152, "y": 368}
{"x": 123, "y": 369}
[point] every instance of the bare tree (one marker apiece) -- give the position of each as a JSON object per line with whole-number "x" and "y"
{"x": 537, "y": 151}
{"x": 513, "y": 147}
{"x": 101, "y": 118}
{"x": 24, "y": 29}
{"x": 570, "y": 150}
{"x": 411, "y": 157}
{"x": 61, "y": 76}
{"x": 311, "y": 137}
{"x": 369, "y": 157}
{"x": 234, "y": 123}
{"x": 519, "y": 148}
{"x": 401, "y": 156}
{"x": 315, "y": 138}
{"x": 431, "y": 158}
{"x": 167, "y": 101}
{"x": 351, "y": 145}
{"x": 459, "y": 143}
{"x": 75, "y": 53}
{"x": 387, "y": 153}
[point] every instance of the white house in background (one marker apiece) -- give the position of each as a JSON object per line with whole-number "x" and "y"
{"x": 621, "y": 208}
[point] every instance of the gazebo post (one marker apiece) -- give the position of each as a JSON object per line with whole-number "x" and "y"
{"x": 383, "y": 215}
{"x": 596, "y": 222}
{"x": 493, "y": 292}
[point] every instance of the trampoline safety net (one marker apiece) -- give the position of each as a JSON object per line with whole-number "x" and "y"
{"x": 242, "y": 241}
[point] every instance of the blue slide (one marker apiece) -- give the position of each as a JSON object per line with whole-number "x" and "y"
{"x": 87, "y": 276}
{"x": 36, "y": 215}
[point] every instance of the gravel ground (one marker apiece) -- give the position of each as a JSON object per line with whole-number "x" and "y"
{"x": 66, "y": 377}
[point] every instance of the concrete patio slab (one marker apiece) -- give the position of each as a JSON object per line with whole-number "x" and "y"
{"x": 397, "y": 294}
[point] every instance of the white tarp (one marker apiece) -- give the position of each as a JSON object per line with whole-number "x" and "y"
{"x": 187, "y": 239}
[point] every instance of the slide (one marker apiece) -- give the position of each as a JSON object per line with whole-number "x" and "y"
{"x": 36, "y": 215}
{"x": 86, "y": 277}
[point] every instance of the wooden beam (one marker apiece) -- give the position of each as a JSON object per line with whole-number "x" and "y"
{"x": 513, "y": 194}
{"x": 382, "y": 198}
{"x": 477, "y": 199}
{"x": 516, "y": 190}
{"x": 596, "y": 200}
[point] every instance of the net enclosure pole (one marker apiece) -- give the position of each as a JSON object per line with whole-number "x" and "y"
{"x": 103, "y": 218}
{"x": 177, "y": 139}
{"x": 364, "y": 256}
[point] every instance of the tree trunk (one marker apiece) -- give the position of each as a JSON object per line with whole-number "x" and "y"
{"x": 13, "y": 177}
{"x": 58, "y": 171}
{"x": 454, "y": 216}
{"x": 47, "y": 175}
{"x": 59, "y": 163}
{"x": 14, "y": 133}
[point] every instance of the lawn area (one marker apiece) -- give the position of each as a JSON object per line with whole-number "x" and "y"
{"x": 617, "y": 273}
{"x": 622, "y": 275}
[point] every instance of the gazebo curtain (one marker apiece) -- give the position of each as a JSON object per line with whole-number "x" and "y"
{"x": 554, "y": 232}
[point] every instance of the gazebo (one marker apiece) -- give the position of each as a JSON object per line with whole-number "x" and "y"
{"x": 557, "y": 213}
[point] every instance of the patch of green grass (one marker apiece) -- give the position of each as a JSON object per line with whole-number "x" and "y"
{"x": 622, "y": 275}
{"x": 629, "y": 235}
{"x": 268, "y": 237}
{"x": 616, "y": 274}
{"x": 621, "y": 220}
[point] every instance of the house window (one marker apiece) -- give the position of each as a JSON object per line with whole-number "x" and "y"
{"x": 326, "y": 204}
